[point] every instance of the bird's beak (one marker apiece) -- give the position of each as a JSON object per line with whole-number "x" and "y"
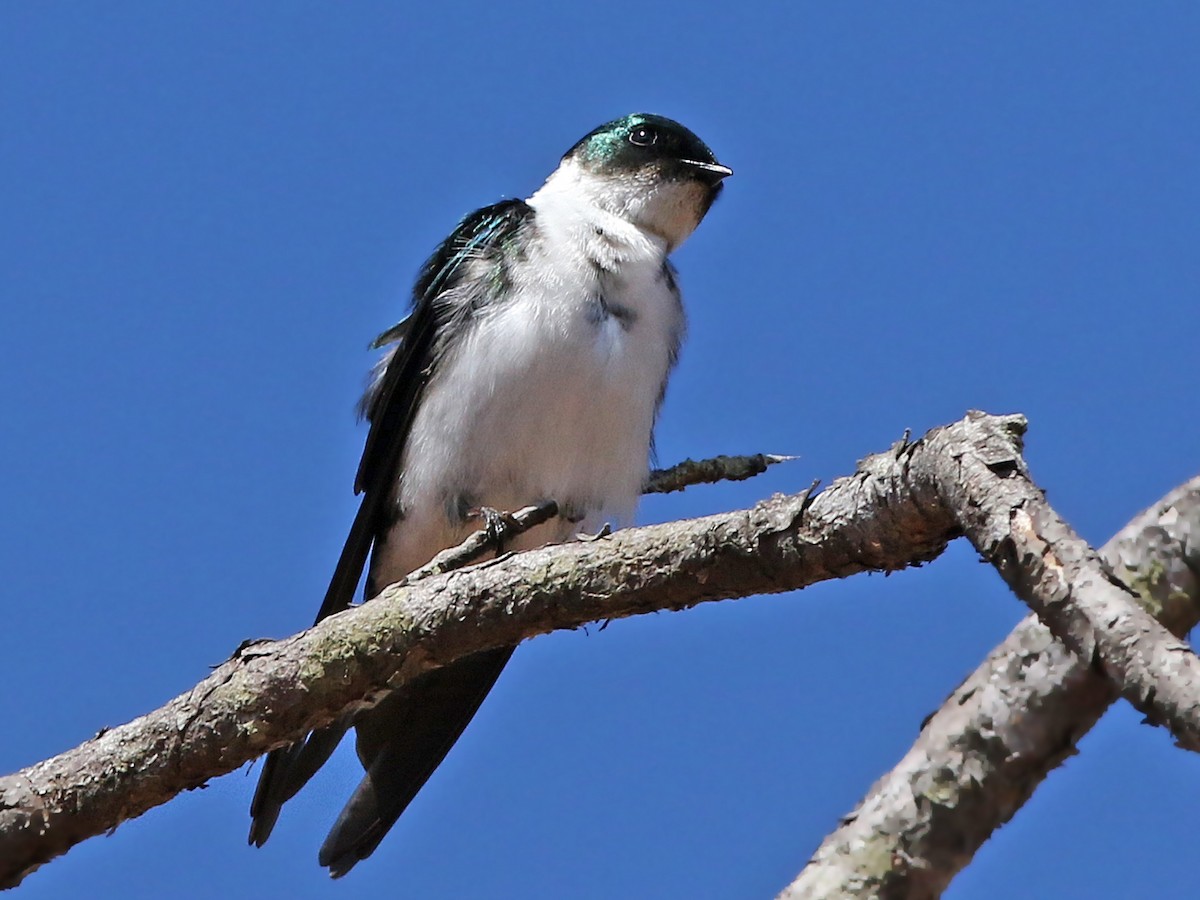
{"x": 717, "y": 170}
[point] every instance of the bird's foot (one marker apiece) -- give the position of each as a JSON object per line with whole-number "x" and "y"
{"x": 496, "y": 524}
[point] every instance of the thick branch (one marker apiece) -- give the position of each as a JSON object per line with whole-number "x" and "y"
{"x": 271, "y": 693}
{"x": 1002, "y": 731}
{"x": 1006, "y": 516}
{"x": 895, "y": 511}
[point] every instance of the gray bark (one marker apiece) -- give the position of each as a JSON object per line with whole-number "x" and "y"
{"x": 981, "y": 756}
{"x": 900, "y": 508}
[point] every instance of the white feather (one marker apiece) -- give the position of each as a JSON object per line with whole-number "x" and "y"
{"x": 546, "y": 397}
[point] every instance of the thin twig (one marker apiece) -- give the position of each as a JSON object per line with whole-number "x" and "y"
{"x": 709, "y": 471}
{"x": 507, "y": 526}
{"x": 486, "y": 540}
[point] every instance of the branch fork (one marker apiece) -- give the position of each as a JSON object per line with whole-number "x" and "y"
{"x": 900, "y": 508}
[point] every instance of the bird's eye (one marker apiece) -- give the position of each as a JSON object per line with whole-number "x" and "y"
{"x": 643, "y": 136}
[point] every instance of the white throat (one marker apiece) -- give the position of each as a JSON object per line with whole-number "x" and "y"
{"x": 662, "y": 212}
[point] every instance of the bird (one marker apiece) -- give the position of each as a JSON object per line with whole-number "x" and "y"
{"x": 531, "y": 367}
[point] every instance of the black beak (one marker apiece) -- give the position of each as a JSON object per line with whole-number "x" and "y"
{"x": 715, "y": 171}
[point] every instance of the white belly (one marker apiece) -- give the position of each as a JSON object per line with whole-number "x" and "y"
{"x": 549, "y": 398}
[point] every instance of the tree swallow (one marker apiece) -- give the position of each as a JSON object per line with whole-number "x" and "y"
{"x": 531, "y": 368}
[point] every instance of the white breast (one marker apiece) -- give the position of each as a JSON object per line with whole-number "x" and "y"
{"x": 553, "y": 393}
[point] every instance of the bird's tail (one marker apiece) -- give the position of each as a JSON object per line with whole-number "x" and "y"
{"x": 286, "y": 771}
{"x": 289, "y": 768}
{"x": 400, "y": 743}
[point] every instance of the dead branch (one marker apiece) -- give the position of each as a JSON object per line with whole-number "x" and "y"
{"x": 898, "y": 509}
{"x": 661, "y": 481}
{"x": 710, "y": 471}
{"x": 980, "y": 757}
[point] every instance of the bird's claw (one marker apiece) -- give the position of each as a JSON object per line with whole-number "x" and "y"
{"x": 496, "y": 524}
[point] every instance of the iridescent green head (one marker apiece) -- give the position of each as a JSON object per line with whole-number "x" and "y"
{"x": 647, "y": 169}
{"x": 640, "y": 142}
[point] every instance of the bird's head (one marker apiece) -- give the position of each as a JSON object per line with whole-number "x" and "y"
{"x": 651, "y": 171}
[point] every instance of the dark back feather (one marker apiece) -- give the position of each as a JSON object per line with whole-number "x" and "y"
{"x": 390, "y": 404}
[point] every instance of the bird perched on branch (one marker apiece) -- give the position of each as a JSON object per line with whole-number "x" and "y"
{"x": 531, "y": 368}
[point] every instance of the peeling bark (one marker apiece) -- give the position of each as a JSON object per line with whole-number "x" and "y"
{"x": 900, "y": 508}
{"x": 981, "y": 756}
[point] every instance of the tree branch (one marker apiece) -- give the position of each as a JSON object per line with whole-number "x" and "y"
{"x": 898, "y": 509}
{"x": 981, "y": 756}
{"x": 271, "y": 693}
{"x": 661, "y": 481}
{"x": 1065, "y": 582}
{"x": 710, "y": 471}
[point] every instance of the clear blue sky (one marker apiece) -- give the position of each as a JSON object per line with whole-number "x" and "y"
{"x": 207, "y": 212}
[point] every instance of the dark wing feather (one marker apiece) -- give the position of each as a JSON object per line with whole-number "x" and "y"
{"x": 393, "y": 399}
{"x": 390, "y": 404}
{"x": 401, "y": 742}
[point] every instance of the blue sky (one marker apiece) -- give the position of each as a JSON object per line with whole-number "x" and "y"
{"x": 210, "y": 209}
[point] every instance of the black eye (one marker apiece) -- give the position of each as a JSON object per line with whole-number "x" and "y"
{"x": 643, "y": 136}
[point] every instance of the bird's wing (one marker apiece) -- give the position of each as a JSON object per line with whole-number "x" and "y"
{"x": 390, "y": 404}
